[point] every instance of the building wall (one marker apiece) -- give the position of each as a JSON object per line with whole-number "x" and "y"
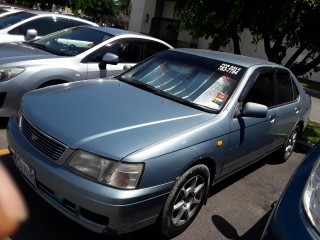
{"x": 142, "y": 12}
{"x": 138, "y": 23}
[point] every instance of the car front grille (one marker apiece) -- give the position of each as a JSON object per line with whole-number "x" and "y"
{"x": 47, "y": 145}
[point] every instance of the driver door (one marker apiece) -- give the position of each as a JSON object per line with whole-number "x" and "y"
{"x": 129, "y": 52}
{"x": 251, "y": 137}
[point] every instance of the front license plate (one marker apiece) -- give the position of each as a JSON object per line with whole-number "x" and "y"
{"x": 26, "y": 170}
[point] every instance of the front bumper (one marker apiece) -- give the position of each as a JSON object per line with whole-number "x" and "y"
{"x": 10, "y": 96}
{"x": 99, "y": 208}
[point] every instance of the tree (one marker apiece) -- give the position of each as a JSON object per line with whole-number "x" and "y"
{"x": 280, "y": 24}
{"x": 43, "y": 3}
{"x": 124, "y": 6}
{"x": 94, "y": 8}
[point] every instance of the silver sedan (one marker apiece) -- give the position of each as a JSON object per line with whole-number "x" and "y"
{"x": 67, "y": 56}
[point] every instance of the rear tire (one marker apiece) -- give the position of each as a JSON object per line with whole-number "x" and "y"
{"x": 289, "y": 145}
{"x": 185, "y": 201}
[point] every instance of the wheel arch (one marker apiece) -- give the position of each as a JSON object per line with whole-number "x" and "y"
{"x": 211, "y": 165}
{"x": 51, "y": 82}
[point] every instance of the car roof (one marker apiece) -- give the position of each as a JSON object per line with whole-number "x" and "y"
{"x": 115, "y": 31}
{"x": 46, "y": 13}
{"x": 245, "y": 61}
{"x": 119, "y": 32}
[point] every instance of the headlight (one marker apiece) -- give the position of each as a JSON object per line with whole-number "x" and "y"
{"x": 105, "y": 171}
{"x": 311, "y": 196}
{"x": 9, "y": 73}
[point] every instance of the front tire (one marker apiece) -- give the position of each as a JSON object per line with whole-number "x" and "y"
{"x": 185, "y": 200}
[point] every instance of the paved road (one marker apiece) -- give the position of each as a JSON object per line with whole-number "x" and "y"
{"x": 315, "y": 110}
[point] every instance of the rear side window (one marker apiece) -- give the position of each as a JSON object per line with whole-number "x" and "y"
{"x": 286, "y": 89}
{"x": 150, "y": 48}
{"x": 129, "y": 51}
{"x": 74, "y": 23}
{"x": 44, "y": 26}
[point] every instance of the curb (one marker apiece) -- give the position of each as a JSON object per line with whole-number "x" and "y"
{"x": 312, "y": 92}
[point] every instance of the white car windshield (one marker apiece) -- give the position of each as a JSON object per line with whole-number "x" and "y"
{"x": 197, "y": 81}
{"x": 71, "y": 42}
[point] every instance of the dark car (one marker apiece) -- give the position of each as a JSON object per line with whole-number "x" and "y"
{"x": 297, "y": 213}
{"x": 145, "y": 147}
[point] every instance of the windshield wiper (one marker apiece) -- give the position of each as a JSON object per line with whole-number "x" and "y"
{"x": 141, "y": 85}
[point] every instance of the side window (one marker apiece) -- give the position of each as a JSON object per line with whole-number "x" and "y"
{"x": 74, "y": 23}
{"x": 129, "y": 51}
{"x": 150, "y": 48}
{"x": 286, "y": 89}
{"x": 262, "y": 91}
{"x": 43, "y": 26}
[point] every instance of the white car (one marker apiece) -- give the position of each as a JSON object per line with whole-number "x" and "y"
{"x": 7, "y": 11}
{"x": 15, "y": 25}
{"x": 72, "y": 54}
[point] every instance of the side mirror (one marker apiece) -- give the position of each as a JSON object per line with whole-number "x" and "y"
{"x": 30, "y": 35}
{"x": 108, "y": 58}
{"x": 256, "y": 110}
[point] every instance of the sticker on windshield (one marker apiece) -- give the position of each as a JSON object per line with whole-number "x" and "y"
{"x": 220, "y": 98}
{"x": 224, "y": 67}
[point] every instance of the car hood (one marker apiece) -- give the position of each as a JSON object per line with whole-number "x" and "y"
{"x": 15, "y": 52}
{"x": 107, "y": 117}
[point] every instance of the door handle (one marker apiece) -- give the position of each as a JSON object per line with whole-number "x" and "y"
{"x": 272, "y": 118}
{"x": 297, "y": 110}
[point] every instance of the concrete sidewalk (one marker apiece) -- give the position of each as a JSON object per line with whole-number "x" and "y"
{"x": 315, "y": 108}
{"x": 312, "y": 92}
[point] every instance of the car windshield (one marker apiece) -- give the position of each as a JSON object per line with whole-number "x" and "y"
{"x": 8, "y": 20}
{"x": 71, "y": 42}
{"x": 3, "y": 10}
{"x": 192, "y": 80}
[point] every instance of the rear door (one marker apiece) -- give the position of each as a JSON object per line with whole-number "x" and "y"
{"x": 288, "y": 107}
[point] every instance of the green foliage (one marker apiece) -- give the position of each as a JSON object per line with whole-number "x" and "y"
{"x": 94, "y": 8}
{"x": 281, "y": 24}
{"x": 312, "y": 132}
{"x": 124, "y": 6}
{"x": 97, "y": 9}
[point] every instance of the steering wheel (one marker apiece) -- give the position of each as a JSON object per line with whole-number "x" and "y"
{"x": 72, "y": 47}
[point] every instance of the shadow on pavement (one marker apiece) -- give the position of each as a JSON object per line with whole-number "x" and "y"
{"x": 3, "y": 122}
{"x": 230, "y": 232}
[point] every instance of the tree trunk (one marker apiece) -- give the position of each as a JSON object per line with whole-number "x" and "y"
{"x": 294, "y": 57}
{"x": 300, "y": 69}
